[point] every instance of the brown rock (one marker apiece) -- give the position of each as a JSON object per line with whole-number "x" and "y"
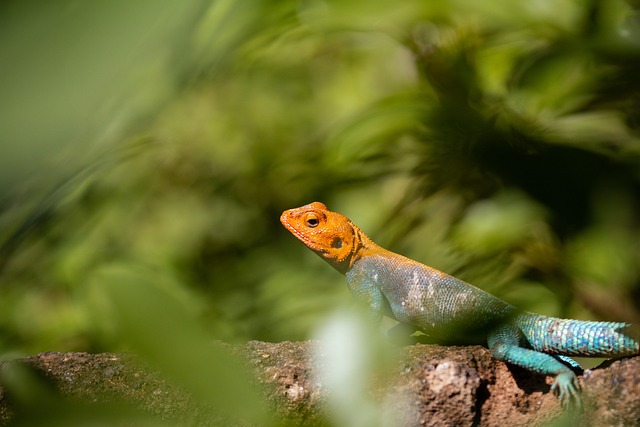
{"x": 430, "y": 386}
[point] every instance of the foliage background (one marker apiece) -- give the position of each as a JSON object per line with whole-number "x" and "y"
{"x": 156, "y": 142}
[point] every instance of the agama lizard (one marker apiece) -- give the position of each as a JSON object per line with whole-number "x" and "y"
{"x": 442, "y": 306}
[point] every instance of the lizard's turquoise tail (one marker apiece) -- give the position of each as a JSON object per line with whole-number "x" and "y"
{"x": 577, "y": 337}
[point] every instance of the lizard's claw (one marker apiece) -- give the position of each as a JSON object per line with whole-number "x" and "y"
{"x": 567, "y": 388}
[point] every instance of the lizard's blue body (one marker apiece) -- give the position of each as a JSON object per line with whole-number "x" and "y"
{"x": 448, "y": 308}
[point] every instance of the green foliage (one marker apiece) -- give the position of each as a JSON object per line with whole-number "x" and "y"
{"x": 150, "y": 316}
{"x": 498, "y": 141}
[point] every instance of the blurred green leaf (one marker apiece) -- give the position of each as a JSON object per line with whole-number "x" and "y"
{"x": 353, "y": 354}
{"x": 155, "y": 324}
{"x": 497, "y": 224}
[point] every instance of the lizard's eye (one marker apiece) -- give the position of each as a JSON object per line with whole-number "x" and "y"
{"x": 311, "y": 219}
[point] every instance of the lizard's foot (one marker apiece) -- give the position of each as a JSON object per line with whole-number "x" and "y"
{"x": 401, "y": 334}
{"x": 567, "y": 388}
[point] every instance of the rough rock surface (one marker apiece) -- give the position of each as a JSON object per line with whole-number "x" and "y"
{"x": 431, "y": 385}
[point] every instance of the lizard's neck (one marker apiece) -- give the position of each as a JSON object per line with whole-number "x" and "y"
{"x": 363, "y": 247}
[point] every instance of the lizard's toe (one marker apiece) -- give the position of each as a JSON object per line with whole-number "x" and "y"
{"x": 567, "y": 388}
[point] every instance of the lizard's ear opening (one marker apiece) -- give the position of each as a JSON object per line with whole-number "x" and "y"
{"x": 336, "y": 243}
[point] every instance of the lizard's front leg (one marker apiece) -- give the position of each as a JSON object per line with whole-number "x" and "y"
{"x": 367, "y": 292}
{"x": 504, "y": 344}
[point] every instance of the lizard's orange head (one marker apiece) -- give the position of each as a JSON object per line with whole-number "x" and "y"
{"x": 329, "y": 234}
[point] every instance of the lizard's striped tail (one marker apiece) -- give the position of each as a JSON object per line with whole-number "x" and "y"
{"x": 569, "y": 337}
